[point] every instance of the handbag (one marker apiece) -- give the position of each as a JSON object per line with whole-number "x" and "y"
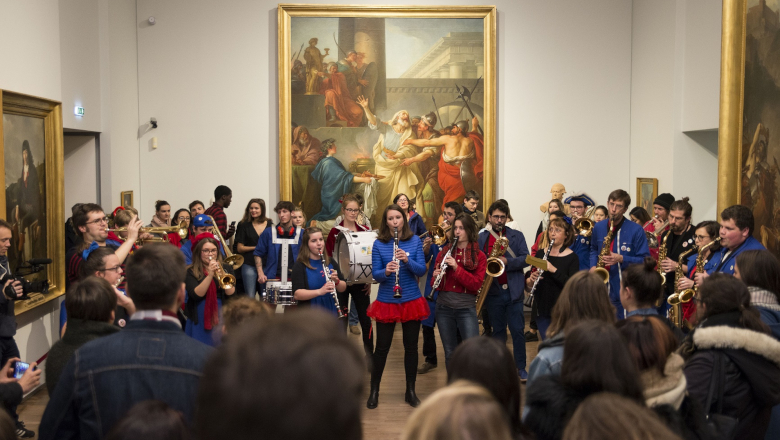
{"x": 721, "y": 427}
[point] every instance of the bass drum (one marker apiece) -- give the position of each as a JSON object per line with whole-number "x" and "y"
{"x": 353, "y": 254}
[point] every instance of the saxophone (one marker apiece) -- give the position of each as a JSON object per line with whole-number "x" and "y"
{"x": 662, "y": 252}
{"x": 495, "y": 268}
{"x": 688, "y": 294}
{"x": 606, "y": 248}
{"x": 675, "y": 299}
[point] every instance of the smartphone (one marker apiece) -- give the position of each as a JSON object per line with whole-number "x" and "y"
{"x": 233, "y": 224}
{"x": 20, "y": 368}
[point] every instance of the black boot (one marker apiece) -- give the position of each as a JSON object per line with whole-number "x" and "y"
{"x": 411, "y": 396}
{"x": 373, "y": 398}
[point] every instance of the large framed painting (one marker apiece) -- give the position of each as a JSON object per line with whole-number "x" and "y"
{"x": 386, "y": 100}
{"x": 33, "y": 200}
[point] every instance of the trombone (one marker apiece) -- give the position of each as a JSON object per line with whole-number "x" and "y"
{"x": 234, "y": 260}
{"x": 181, "y": 229}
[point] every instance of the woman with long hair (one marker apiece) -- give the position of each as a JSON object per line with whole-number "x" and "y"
{"x": 204, "y": 294}
{"x": 396, "y": 271}
{"x": 639, "y": 215}
{"x": 582, "y": 298}
{"x": 554, "y": 205}
{"x": 248, "y": 233}
{"x": 562, "y": 263}
{"x": 652, "y": 345}
{"x": 733, "y": 348}
{"x": 706, "y": 232}
{"x": 310, "y": 284}
{"x": 359, "y": 293}
{"x": 760, "y": 271}
{"x": 456, "y": 309}
{"x": 416, "y": 222}
{"x": 639, "y": 291}
{"x": 596, "y": 359}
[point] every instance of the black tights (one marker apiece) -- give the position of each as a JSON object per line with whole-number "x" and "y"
{"x": 384, "y": 337}
{"x": 361, "y": 304}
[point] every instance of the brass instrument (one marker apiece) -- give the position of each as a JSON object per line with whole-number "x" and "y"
{"x": 234, "y": 260}
{"x": 606, "y": 249}
{"x": 688, "y": 294}
{"x": 326, "y": 271}
{"x": 225, "y": 280}
{"x": 652, "y": 237}
{"x": 181, "y": 229}
{"x": 675, "y": 312}
{"x": 584, "y": 226}
{"x": 439, "y": 232}
{"x": 662, "y": 252}
{"x": 495, "y": 268}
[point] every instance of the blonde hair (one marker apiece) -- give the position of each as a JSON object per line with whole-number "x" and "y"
{"x": 460, "y": 411}
{"x": 123, "y": 216}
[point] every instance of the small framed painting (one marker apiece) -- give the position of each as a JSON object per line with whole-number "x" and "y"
{"x": 127, "y": 199}
{"x": 646, "y": 192}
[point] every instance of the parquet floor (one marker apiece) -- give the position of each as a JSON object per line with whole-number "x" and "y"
{"x": 386, "y": 422}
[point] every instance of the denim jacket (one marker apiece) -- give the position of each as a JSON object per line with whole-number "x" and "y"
{"x": 107, "y": 376}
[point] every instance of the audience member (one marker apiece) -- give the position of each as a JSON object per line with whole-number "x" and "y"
{"x": 489, "y": 363}
{"x": 162, "y": 214}
{"x": 595, "y": 359}
{"x": 158, "y": 361}
{"x": 606, "y": 416}
{"x": 248, "y": 232}
{"x": 641, "y": 287}
{"x": 732, "y": 347}
{"x": 460, "y": 411}
{"x": 151, "y": 420}
{"x": 241, "y": 311}
{"x": 760, "y": 271}
{"x": 223, "y": 196}
{"x": 652, "y": 345}
{"x": 294, "y": 377}
{"x": 11, "y": 392}
{"x": 583, "y": 297}
{"x": 91, "y": 304}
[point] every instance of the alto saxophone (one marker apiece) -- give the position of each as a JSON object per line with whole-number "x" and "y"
{"x": 606, "y": 249}
{"x": 495, "y": 268}
{"x": 662, "y": 252}
{"x": 674, "y": 300}
{"x": 688, "y": 294}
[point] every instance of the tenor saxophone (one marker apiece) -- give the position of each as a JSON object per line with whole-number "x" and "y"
{"x": 495, "y": 268}
{"x": 674, "y": 300}
{"x": 606, "y": 248}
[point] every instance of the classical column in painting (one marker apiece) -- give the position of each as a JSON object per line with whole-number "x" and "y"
{"x": 367, "y": 36}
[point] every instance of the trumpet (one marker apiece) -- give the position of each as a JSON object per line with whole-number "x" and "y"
{"x": 181, "y": 229}
{"x": 225, "y": 280}
{"x": 234, "y": 260}
{"x": 439, "y": 232}
{"x": 584, "y": 226}
{"x": 652, "y": 237}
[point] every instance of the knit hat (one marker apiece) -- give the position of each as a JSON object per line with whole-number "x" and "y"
{"x": 664, "y": 200}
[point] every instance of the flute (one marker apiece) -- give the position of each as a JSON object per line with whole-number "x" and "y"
{"x": 397, "y": 288}
{"x": 326, "y": 271}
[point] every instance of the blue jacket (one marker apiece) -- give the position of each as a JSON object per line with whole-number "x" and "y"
{"x": 727, "y": 265}
{"x": 630, "y": 241}
{"x": 269, "y": 251}
{"x": 417, "y": 225}
{"x": 549, "y": 360}
{"x": 514, "y": 265}
{"x": 581, "y": 247}
{"x": 709, "y": 266}
{"x": 106, "y": 377}
{"x": 382, "y": 253}
{"x": 772, "y": 319}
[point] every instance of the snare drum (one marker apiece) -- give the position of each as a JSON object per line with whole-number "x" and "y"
{"x": 279, "y": 293}
{"x": 353, "y": 254}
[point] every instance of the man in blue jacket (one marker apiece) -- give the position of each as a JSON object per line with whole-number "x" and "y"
{"x": 505, "y": 297}
{"x": 579, "y": 204}
{"x": 282, "y": 239}
{"x": 736, "y": 236}
{"x": 151, "y": 359}
{"x": 629, "y": 244}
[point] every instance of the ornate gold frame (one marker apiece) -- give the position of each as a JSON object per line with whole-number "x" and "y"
{"x": 486, "y": 13}
{"x": 643, "y": 181}
{"x": 732, "y": 85}
{"x": 51, "y": 113}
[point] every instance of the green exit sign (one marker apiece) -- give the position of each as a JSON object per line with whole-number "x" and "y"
{"x": 78, "y": 111}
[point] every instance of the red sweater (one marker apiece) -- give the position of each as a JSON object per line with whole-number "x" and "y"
{"x": 462, "y": 280}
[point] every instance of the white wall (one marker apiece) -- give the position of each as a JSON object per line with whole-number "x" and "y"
{"x": 80, "y": 171}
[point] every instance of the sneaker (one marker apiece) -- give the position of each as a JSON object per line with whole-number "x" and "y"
{"x": 531, "y": 336}
{"x": 523, "y": 375}
{"x": 425, "y": 367}
{"x": 22, "y": 432}
{"x": 354, "y": 329}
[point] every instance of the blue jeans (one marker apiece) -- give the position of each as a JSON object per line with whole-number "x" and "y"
{"x": 542, "y": 323}
{"x": 353, "y": 316}
{"x": 504, "y": 312}
{"x": 450, "y": 322}
{"x": 249, "y": 276}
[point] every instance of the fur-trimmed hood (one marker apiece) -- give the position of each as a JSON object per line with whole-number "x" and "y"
{"x": 730, "y": 338}
{"x": 666, "y": 389}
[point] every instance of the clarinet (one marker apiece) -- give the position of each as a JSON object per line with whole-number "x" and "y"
{"x": 546, "y": 254}
{"x": 327, "y": 278}
{"x": 443, "y": 268}
{"x": 397, "y": 288}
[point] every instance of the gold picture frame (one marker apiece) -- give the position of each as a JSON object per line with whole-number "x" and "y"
{"x": 646, "y": 192}
{"x": 287, "y": 13}
{"x": 126, "y": 199}
{"x": 44, "y": 225}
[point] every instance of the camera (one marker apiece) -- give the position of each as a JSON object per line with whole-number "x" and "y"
{"x": 34, "y": 266}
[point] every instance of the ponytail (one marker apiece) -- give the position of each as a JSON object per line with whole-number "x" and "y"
{"x": 722, "y": 293}
{"x": 644, "y": 281}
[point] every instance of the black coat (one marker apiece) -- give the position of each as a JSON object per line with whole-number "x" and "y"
{"x": 550, "y": 407}
{"x": 752, "y": 371}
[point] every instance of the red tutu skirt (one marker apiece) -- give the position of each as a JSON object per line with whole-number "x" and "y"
{"x": 415, "y": 310}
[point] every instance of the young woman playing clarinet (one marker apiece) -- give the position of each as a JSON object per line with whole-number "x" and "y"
{"x": 456, "y": 306}
{"x": 310, "y": 284}
{"x": 397, "y": 260}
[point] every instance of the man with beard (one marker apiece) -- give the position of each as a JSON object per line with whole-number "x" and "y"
{"x": 428, "y": 160}
{"x": 338, "y": 99}
{"x": 306, "y": 149}
{"x": 680, "y": 239}
{"x": 388, "y": 153}
{"x": 458, "y": 147}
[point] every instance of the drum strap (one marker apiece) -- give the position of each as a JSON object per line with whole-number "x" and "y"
{"x": 285, "y": 242}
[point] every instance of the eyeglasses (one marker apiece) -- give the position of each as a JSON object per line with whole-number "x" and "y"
{"x": 111, "y": 269}
{"x": 701, "y": 237}
{"x": 498, "y": 217}
{"x": 352, "y": 211}
{"x": 184, "y": 219}
{"x": 209, "y": 251}
{"x": 98, "y": 221}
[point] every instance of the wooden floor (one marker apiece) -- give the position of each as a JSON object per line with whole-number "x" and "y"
{"x": 386, "y": 422}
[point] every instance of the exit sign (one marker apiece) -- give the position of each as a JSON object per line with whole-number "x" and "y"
{"x": 78, "y": 111}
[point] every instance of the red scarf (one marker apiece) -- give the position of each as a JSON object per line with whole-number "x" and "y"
{"x": 469, "y": 255}
{"x": 211, "y": 310}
